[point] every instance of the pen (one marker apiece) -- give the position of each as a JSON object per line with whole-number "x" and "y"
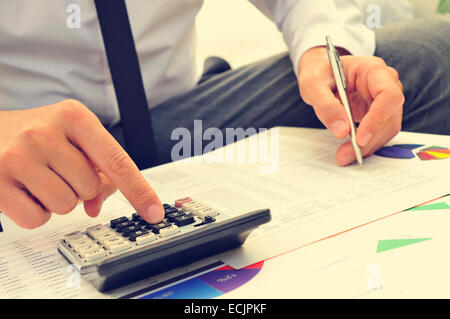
{"x": 341, "y": 83}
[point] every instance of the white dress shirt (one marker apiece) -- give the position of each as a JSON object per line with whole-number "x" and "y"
{"x": 43, "y": 61}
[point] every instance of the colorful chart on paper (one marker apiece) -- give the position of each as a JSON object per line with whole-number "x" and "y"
{"x": 219, "y": 281}
{"x": 409, "y": 151}
{"x": 388, "y": 244}
{"x": 208, "y": 285}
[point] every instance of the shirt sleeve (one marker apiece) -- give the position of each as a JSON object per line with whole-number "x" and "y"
{"x": 305, "y": 23}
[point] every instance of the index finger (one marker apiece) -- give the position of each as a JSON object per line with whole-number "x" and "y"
{"x": 106, "y": 153}
{"x": 328, "y": 108}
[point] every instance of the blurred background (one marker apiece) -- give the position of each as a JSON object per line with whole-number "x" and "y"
{"x": 240, "y": 33}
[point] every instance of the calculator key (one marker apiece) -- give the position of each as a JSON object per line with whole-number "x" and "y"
{"x": 197, "y": 209}
{"x": 157, "y": 227}
{"x": 140, "y": 221}
{"x": 128, "y": 230}
{"x": 74, "y": 236}
{"x": 97, "y": 230}
{"x": 169, "y": 231}
{"x": 197, "y": 206}
{"x": 123, "y": 225}
{"x": 181, "y": 201}
{"x": 117, "y": 221}
{"x": 166, "y": 206}
{"x": 189, "y": 204}
{"x": 132, "y": 236}
{"x": 187, "y": 207}
{"x": 184, "y": 220}
{"x": 143, "y": 223}
{"x": 88, "y": 246}
{"x": 108, "y": 243}
{"x": 201, "y": 213}
{"x": 85, "y": 249}
{"x": 104, "y": 237}
{"x": 76, "y": 244}
{"x": 93, "y": 254}
{"x": 145, "y": 239}
{"x": 171, "y": 217}
{"x": 170, "y": 210}
{"x": 209, "y": 219}
{"x": 119, "y": 247}
{"x": 136, "y": 217}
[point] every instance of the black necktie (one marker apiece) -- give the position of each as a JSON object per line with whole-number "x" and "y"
{"x": 126, "y": 75}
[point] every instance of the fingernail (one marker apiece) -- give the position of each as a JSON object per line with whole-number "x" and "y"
{"x": 347, "y": 159}
{"x": 365, "y": 139}
{"x": 154, "y": 214}
{"x": 339, "y": 128}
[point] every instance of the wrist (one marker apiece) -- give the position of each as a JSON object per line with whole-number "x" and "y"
{"x": 312, "y": 57}
{"x": 316, "y": 55}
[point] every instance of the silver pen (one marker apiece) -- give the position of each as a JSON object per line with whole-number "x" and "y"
{"x": 341, "y": 83}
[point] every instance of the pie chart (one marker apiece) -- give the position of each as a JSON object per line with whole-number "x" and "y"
{"x": 433, "y": 153}
{"x": 408, "y": 151}
{"x": 208, "y": 285}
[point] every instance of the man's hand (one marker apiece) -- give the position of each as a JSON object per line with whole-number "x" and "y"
{"x": 53, "y": 156}
{"x": 375, "y": 95}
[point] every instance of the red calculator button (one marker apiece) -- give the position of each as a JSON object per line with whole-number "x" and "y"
{"x": 181, "y": 201}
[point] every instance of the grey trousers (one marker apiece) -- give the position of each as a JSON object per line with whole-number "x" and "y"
{"x": 265, "y": 94}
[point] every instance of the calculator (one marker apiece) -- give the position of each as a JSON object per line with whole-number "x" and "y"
{"x": 129, "y": 249}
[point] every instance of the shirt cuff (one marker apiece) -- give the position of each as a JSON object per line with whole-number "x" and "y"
{"x": 351, "y": 35}
{"x": 358, "y": 45}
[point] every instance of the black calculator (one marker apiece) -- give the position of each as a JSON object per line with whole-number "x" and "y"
{"x": 129, "y": 249}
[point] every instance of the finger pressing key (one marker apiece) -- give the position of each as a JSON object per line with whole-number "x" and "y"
{"x": 108, "y": 156}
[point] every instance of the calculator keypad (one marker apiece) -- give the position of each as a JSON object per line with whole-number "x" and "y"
{"x": 124, "y": 233}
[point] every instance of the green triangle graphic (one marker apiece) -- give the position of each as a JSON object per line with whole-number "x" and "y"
{"x": 389, "y": 244}
{"x": 436, "y": 206}
{"x": 444, "y": 6}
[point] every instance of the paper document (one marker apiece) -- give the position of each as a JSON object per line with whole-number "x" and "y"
{"x": 296, "y": 176}
{"x": 403, "y": 256}
{"x": 310, "y": 196}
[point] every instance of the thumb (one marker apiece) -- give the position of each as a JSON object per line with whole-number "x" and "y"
{"x": 93, "y": 206}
